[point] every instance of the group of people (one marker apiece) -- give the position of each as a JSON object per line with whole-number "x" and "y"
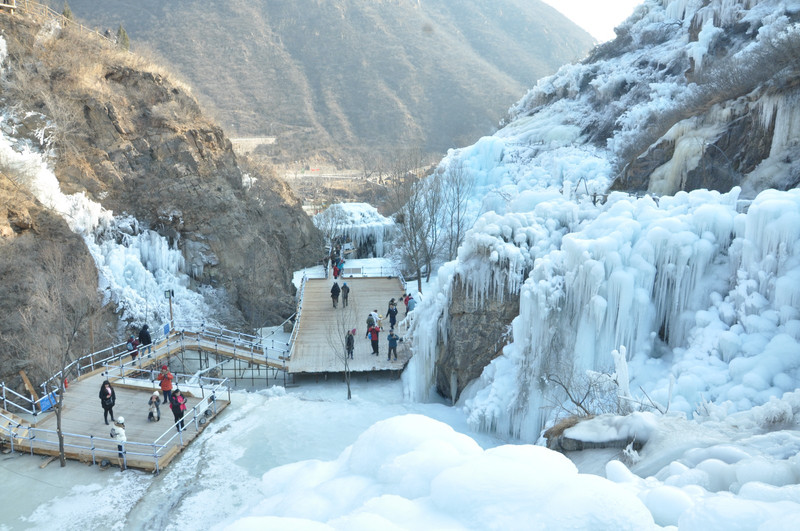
{"x": 143, "y": 344}
{"x": 336, "y": 261}
{"x": 374, "y": 321}
{"x": 336, "y": 291}
{"x": 177, "y": 403}
{"x": 375, "y": 327}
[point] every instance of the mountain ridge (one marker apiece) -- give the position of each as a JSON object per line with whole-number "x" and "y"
{"x": 351, "y": 74}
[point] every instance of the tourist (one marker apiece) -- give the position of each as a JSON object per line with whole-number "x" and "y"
{"x": 154, "y": 414}
{"x": 393, "y": 338}
{"x": 145, "y": 340}
{"x": 335, "y": 292}
{"x": 392, "y": 313}
{"x": 107, "y": 399}
{"x": 373, "y": 335}
{"x": 345, "y": 294}
{"x": 178, "y": 406}
{"x": 166, "y": 377}
{"x": 118, "y": 434}
{"x": 133, "y": 347}
{"x": 349, "y": 342}
{"x": 370, "y": 324}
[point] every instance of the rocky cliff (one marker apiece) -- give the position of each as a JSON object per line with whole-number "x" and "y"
{"x": 134, "y": 140}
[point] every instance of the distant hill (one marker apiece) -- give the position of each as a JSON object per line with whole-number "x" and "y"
{"x": 341, "y": 75}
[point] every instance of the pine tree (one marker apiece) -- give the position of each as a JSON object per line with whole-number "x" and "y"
{"x": 122, "y": 39}
{"x": 67, "y": 12}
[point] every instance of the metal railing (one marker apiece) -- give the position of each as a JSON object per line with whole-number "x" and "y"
{"x": 295, "y": 329}
{"x": 211, "y": 337}
{"x": 197, "y": 416}
{"x": 375, "y": 271}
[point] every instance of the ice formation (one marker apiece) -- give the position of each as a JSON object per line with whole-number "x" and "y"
{"x": 136, "y": 266}
{"x": 359, "y": 223}
{"x": 699, "y": 288}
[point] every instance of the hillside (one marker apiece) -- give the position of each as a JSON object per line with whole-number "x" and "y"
{"x": 106, "y": 160}
{"x": 340, "y": 77}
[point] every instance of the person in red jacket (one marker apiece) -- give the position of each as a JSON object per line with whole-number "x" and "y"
{"x": 373, "y": 335}
{"x": 166, "y": 377}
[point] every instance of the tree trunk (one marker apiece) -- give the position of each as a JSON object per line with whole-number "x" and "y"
{"x": 62, "y": 458}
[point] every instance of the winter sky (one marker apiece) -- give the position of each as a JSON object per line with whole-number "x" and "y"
{"x": 598, "y": 17}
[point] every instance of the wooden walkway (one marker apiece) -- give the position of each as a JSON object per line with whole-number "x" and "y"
{"x": 82, "y": 415}
{"x": 319, "y": 343}
{"x": 150, "y": 445}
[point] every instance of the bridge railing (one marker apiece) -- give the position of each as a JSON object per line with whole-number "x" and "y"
{"x": 209, "y": 336}
{"x": 295, "y": 329}
{"x": 197, "y": 416}
{"x": 373, "y": 271}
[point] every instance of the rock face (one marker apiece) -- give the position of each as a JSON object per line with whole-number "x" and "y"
{"x": 182, "y": 180}
{"x": 43, "y": 265}
{"x": 476, "y": 336}
{"x": 137, "y": 142}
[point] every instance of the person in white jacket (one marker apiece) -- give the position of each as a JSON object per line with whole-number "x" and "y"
{"x": 118, "y": 434}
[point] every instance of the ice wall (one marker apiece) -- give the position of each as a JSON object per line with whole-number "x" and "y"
{"x": 712, "y": 291}
{"x": 359, "y": 222}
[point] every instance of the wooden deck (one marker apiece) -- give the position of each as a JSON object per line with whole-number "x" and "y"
{"x": 82, "y": 415}
{"x": 319, "y": 345}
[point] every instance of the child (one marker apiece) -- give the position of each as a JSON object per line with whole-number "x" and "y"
{"x": 118, "y": 434}
{"x": 154, "y": 415}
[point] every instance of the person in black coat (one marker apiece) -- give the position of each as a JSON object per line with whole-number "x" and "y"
{"x": 345, "y": 294}
{"x": 107, "y": 399}
{"x": 177, "y": 403}
{"x": 349, "y": 343}
{"x": 335, "y": 293}
{"x": 392, "y": 313}
{"x": 145, "y": 340}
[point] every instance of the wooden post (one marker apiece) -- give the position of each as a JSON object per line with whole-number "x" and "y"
{"x": 29, "y": 385}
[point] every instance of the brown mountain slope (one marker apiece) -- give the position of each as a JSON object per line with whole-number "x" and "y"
{"x": 133, "y": 140}
{"x": 347, "y": 74}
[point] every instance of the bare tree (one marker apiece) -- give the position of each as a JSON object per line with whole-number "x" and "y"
{"x": 416, "y": 215}
{"x": 344, "y": 319}
{"x": 65, "y": 294}
{"x": 457, "y": 186}
{"x": 433, "y": 206}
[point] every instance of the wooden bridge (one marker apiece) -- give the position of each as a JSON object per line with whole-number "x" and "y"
{"x": 318, "y": 346}
{"x": 31, "y": 426}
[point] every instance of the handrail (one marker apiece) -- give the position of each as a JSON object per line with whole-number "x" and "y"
{"x": 376, "y": 271}
{"x": 300, "y": 294}
{"x": 241, "y": 343}
{"x": 155, "y": 449}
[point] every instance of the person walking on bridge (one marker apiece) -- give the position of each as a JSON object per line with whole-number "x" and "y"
{"x": 107, "y": 399}
{"x": 393, "y": 338}
{"x": 373, "y": 335}
{"x": 335, "y": 293}
{"x": 350, "y": 342}
{"x": 145, "y": 340}
{"x": 165, "y": 378}
{"x": 178, "y": 406}
{"x": 345, "y": 294}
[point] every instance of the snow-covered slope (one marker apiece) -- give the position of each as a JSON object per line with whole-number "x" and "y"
{"x": 700, "y": 289}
